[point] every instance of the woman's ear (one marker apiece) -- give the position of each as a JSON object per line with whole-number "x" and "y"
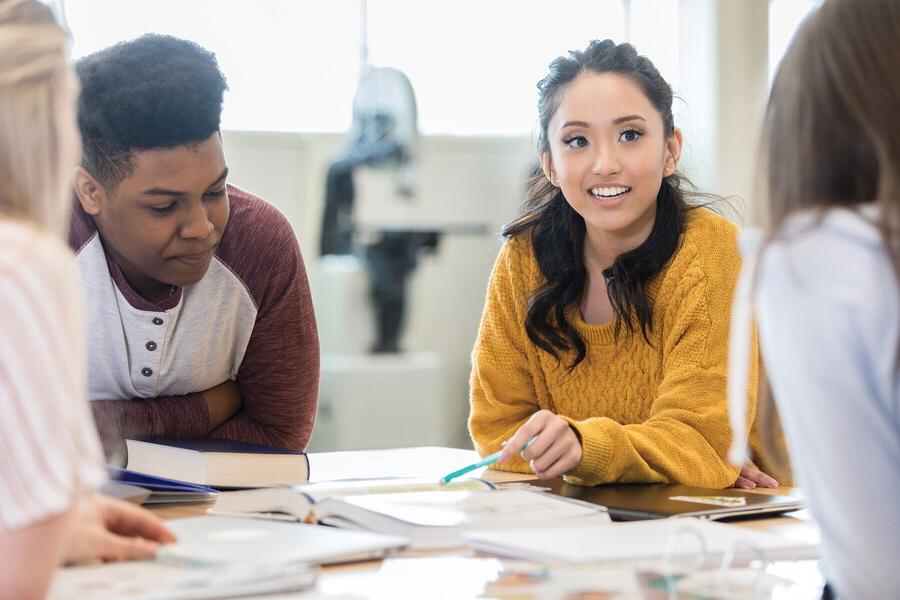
{"x": 673, "y": 152}
{"x": 548, "y": 169}
{"x": 89, "y": 191}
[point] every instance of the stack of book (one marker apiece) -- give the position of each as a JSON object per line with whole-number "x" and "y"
{"x": 194, "y": 470}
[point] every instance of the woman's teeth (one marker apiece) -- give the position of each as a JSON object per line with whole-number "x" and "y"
{"x": 609, "y": 192}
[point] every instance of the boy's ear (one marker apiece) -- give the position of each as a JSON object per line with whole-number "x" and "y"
{"x": 91, "y": 194}
{"x": 673, "y": 151}
{"x": 547, "y": 168}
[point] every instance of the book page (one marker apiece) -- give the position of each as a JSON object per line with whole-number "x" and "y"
{"x": 297, "y": 501}
{"x": 466, "y": 508}
{"x": 328, "y": 489}
{"x": 427, "y": 462}
{"x": 185, "y": 580}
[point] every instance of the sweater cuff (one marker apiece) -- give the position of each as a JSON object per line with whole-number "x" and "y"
{"x": 515, "y": 465}
{"x": 596, "y": 453}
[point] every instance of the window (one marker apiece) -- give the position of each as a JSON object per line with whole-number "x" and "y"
{"x": 293, "y": 66}
{"x": 785, "y": 16}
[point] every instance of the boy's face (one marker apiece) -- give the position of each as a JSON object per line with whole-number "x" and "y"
{"x": 163, "y": 222}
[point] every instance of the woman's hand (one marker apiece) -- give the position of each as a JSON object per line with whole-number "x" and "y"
{"x": 752, "y": 477}
{"x": 555, "y": 450}
{"x": 103, "y": 528}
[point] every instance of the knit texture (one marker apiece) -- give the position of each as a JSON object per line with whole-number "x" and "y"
{"x": 645, "y": 412}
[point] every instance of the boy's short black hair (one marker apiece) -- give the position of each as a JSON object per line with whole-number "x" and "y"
{"x": 151, "y": 93}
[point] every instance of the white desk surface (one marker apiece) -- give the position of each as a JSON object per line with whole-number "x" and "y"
{"x": 367, "y": 580}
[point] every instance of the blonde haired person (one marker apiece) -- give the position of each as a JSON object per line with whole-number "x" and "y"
{"x": 825, "y": 285}
{"x": 50, "y": 458}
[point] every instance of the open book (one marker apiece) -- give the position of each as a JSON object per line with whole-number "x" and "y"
{"x": 430, "y": 514}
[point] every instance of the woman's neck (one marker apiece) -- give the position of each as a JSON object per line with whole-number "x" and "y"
{"x": 602, "y": 249}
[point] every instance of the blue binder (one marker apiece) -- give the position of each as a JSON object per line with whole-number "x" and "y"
{"x": 163, "y": 490}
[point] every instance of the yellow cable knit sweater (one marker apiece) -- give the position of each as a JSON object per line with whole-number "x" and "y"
{"x": 652, "y": 412}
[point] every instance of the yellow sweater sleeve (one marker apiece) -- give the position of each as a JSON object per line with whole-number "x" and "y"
{"x": 502, "y": 393}
{"x": 686, "y": 437}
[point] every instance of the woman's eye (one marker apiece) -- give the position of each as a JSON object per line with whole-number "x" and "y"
{"x": 629, "y": 135}
{"x": 163, "y": 210}
{"x": 215, "y": 193}
{"x": 577, "y": 141}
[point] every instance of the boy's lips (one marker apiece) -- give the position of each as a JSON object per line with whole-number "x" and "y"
{"x": 197, "y": 258}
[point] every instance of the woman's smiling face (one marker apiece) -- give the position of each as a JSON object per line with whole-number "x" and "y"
{"x": 608, "y": 153}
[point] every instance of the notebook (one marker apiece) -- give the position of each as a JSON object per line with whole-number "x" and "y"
{"x": 125, "y": 491}
{"x": 148, "y": 489}
{"x": 179, "y": 580}
{"x": 633, "y": 502}
{"x": 218, "y": 463}
{"x": 255, "y": 541}
{"x": 687, "y": 539}
{"x": 430, "y": 514}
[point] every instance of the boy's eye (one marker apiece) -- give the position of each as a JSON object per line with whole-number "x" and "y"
{"x": 576, "y": 141}
{"x": 629, "y": 135}
{"x": 163, "y": 210}
{"x": 215, "y": 193}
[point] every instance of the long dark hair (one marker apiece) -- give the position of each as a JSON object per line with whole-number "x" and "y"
{"x": 558, "y": 232}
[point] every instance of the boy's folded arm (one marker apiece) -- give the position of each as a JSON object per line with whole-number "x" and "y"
{"x": 184, "y": 416}
{"x": 278, "y": 379}
{"x": 278, "y": 389}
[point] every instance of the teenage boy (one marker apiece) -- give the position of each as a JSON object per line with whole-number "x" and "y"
{"x": 200, "y": 321}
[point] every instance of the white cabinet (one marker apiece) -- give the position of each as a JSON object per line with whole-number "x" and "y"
{"x": 381, "y": 401}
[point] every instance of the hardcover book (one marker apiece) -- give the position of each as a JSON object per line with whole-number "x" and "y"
{"x": 218, "y": 463}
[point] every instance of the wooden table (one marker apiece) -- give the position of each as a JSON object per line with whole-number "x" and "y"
{"x": 357, "y": 579}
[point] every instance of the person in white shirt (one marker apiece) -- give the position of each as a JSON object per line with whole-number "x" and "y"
{"x": 50, "y": 456}
{"x": 824, "y": 284}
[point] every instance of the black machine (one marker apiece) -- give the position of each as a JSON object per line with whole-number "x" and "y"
{"x": 383, "y": 136}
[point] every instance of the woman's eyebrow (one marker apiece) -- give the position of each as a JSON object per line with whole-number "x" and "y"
{"x": 628, "y": 118}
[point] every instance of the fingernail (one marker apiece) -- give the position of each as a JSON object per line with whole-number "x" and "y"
{"x": 773, "y": 482}
{"x": 752, "y": 484}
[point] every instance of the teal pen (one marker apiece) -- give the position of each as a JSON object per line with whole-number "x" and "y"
{"x": 482, "y": 463}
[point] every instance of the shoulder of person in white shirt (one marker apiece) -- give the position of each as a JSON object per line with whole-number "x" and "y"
{"x": 826, "y": 283}
{"x": 50, "y": 458}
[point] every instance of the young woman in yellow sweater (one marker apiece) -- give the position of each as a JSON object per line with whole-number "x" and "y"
{"x": 605, "y": 330}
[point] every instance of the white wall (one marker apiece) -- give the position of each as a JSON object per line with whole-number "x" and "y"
{"x": 723, "y": 81}
{"x": 722, "y": 78}
{"x": 447, "y": 293}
